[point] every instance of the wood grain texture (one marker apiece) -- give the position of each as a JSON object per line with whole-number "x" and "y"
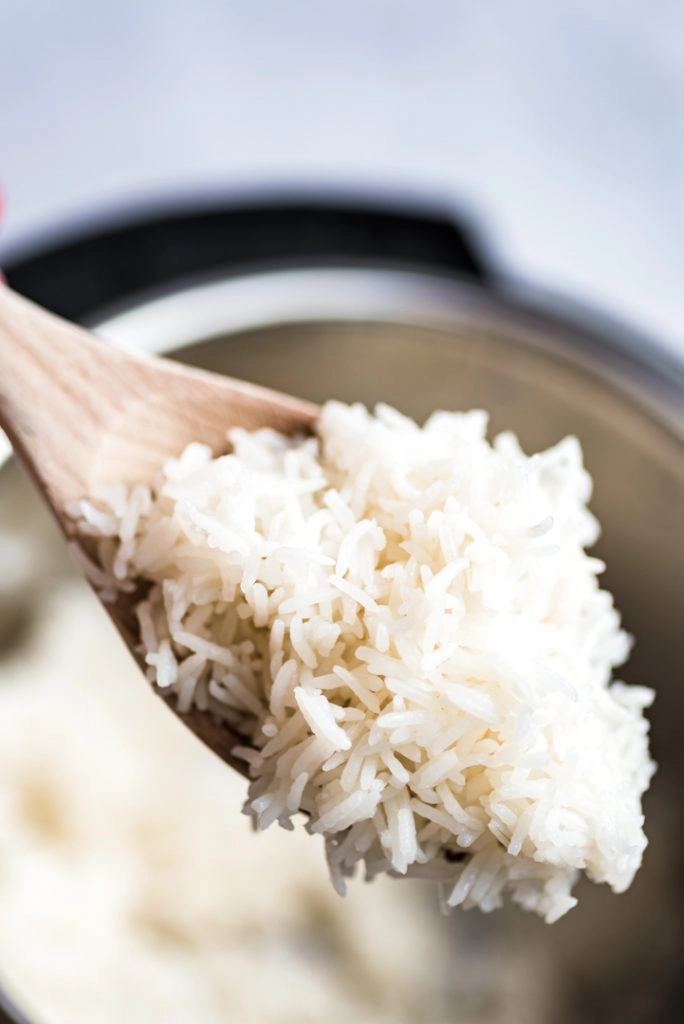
{"x": 80, "y": 413}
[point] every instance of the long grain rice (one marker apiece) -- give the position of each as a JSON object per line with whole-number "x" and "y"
{"x": 405, "y": 625}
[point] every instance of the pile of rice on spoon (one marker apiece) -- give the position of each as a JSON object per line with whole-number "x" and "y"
{"x": 406, "y": 628}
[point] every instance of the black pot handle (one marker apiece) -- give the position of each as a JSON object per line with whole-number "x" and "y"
{"x": 82, "y": 275}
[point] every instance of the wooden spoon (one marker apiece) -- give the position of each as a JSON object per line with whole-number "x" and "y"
{"x": 80, "y": 413}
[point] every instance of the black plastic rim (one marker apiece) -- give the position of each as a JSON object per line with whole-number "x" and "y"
{"x": 110, "y": 262}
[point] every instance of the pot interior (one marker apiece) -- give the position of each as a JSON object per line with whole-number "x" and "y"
{"x": 613, "y": 958}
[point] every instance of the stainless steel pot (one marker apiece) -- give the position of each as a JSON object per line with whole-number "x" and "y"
{"x": 424, "y": 331}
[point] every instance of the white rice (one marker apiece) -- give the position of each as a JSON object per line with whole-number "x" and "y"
{"x": 405, "y": 626}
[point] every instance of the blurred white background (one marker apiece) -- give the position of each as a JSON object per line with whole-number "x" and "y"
{"x": 559, "y": 126}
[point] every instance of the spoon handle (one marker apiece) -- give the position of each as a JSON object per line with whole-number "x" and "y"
{"x": 57, "y": 391}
